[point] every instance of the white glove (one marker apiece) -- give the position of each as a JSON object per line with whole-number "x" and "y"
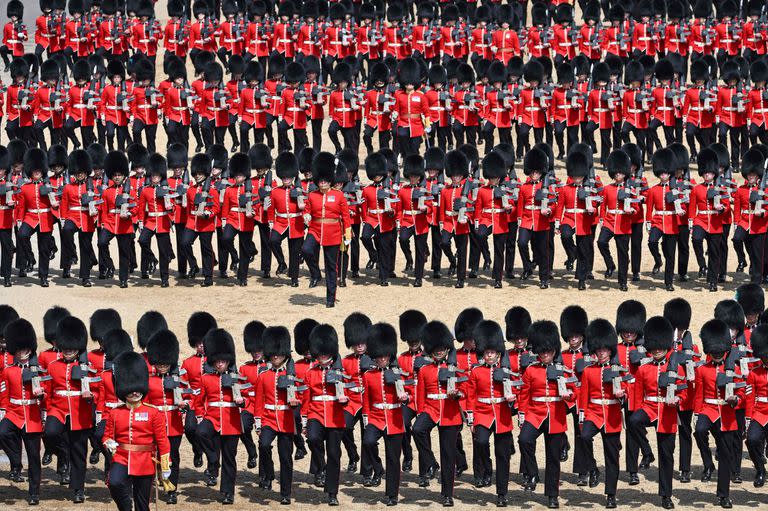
{"x": 2, "y": 414}
{"x": 365, "y": 420}
{"x": 166, "y": 474}
{"x": 98, "y": 417}
{"x": 257, "y": 424}
{"x": 111, "y": 445}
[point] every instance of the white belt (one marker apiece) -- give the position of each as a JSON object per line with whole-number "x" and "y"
{"x": 494, "y": 210}
{"x": 167, "y": 408}
{"x": 718, "y": 402}
{"x": 760, "y": 110}
{"x": 180, "y": 108}
{"x": 697, "y": 108}
{"x": 644, "y": 38}
{"x": 727, "y": 40}
{"x": 325, "y": 398}
{"x": 730, "y": 108}
{"x": 110, "y": 107}
{"x": 413, "y": 212}
{"x": 665, "y": 108}
{"x": 708, "y": 212}
{"x": 564, "y": 107}
{"x": 288, "y": 215}
{"x": 4, "y": 207}
{"x": 752, "y": 211}
{"x": 295, "y": 109}
{"x": 604, "y": 401}
{"x": 654, "y": 399}
{"x": 68, "y": 393}
{"x": 158, "y": 213}
{"x": 547, "y": 399}
{"x": 498, "y": 110}
{"x": 78, "y": 208}
{"x": 387, "y": 406}
{"x": 80, "y": 105}
{"x": 38, "y": 211}
{"x": 222, "y": 404}
{"x": 617, "y": 211}
{"x": 450, "y": 213}
{"x": 759, "y": 399}
{"x": 274, "y": 408}
{"x": 24, "y": 402}
{"x": 533, "y": 208}
{"x": 284, "y": 40}
{"x": 343, "y": 109}
{"x": 601, "y": 110}
{"x": 356, "y": 390}
{"x": 113, "y": 404}
{"x": 377, "y": 211}
{"x": 663, "y": 213}
{"x": 254, "y": 110}
{"x": 635, "y": 110}
{"x": 238, "y": 210}
{"x": 437, "y": 397}
{"x": 532, "y": 108}
{"x": 575, "y": 210}
{"x": 491, "y": 400}
{"x": 145, "y": 106}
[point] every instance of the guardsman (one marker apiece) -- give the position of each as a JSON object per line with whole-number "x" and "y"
{"x": 7, "y": 221}
{"x": 751, "y": 297}
{"x": 342, "y": 109}
{"x": 600, "y": 110}
{"x": 757, "y": 402}
{"x": 79, "y": 216}
{"x": 204, "y": 206}
{"x": 82, "y": 105}
{"x": 355, "y": 365}
{"x": 70, "y": 401}
{"x": 155, "y": 216}
{"x": 590, "y": 34}
{"x": 294, "y": 108}
{"x": 542, "y": 409}
{"x": 410, "y": 324}
{"x": 756, "y": 106}
{"x": 176, "y": 31}
{"x": 416, "y": 208}
{"x": 653, "y": 406}
{"x": 250, "y": 370}
{"x": 378, "y": 108}
{"x": 147, "y": 104}
{"x": 535, "y": 205}
{"x": 379, "y": 215}
{"x": 15, "y": 32}
{"x": 384, "y": 399}
{"x": 731, "y": 109}
{"x": 20, "y": 400}
{"x": 261, "y": 162}
{"x": 115, "y": 108}
{"x": 252, "y": 113}
{"x": 664, "y": 105}
{"x": 437, "y": 404}
{"x": 238, "y": 207}
{"x": 465, "y": 358}
{"x": 616, "y": 39}
{"x": 600, "y": 402}
{"x": 322, "y": 407}
{"x": 136, "y": 436}
{"x": 178, "y": 162}
{"x": 301, "y": 332}
{"x": 716, "y": 406}
{"x": 285, "y": 214}
{"x": 35, "y": 204}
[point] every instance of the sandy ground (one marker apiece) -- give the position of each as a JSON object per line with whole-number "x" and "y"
{"x": 274, "y": 302}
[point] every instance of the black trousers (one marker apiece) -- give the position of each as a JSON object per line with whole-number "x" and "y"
{"x": 409, "y": 414}
{"x": 384, "y": 245}
{"x": 553, "y": 444}
{"x": 638, "y": 423}
{"x": 393, "y": 445}
{"x": 636, "y": 245}
{"x": 583, "y": 454}
{"x": 246, "y": 437}
{"x": 150, "y": 132}
{"x": 611, "y": 449}
{"x": 130, "y": 493}
{"x": 435, "y": 247}
{"x": 266, "y": 253}
{"x": 124, "y": 246}
{"x": 122, "y": 136}
{"x": 685, "y": 437}
{"x": 422, "y": 428}
{"x": 178, "y": 133}
{"x": 585, "y": 255}
{"x": 326, "y": 443}
{"x": 6, "y": 252}
{"x": 739, "y": 141}
{"x": 163, "y": 247}
{"x": 244, "y": 242}
{"x": 310, "y": 249}
{"x": 284, "y": 453}
{"x": 11, "y": 438}
{"x": 755, "y": 244}
{"x": 61, "y": 437}
{"x": 502, "y": 451}
{"x": 683, "y": 249}
{"x": 499, "y": 249}
{"x": 756, "y": 436}
{"x": 175, "y": 459}
{"x": 714, "y": 245}
{"x": 294, "y": 251}
{"x": 726, "y": 450}
{"x": 420, "y": 240}
{"x": 190, "y": 431}
{"x": 635, "y": 444}
{"x": 459, "y": 260}
{"x": 348, "y": 440}
{"x": 69, "y": 253}
{"x": 540, "y": 243}
{"x": 511, "y": 250}
{"x": 221, "y": 451}
{"x": 181, "y": 257}
{"x": 44, "y": 245}
{"x": 668, "y": 247}
{"x": 206, "y": 247}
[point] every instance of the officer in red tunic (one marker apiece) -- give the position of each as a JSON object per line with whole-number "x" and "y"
{"x": 489, "y": 404}
{"x": 20, "y": 402}
{"x": 657, "y": 392}
{"x": 410, "y": 112}
{"x": 601, "y": 395}
{"x": 34, "y": 212}
{"x": 716, "y": 402}
{"x": 70, "y": 399}
{"x": 322, "y": 406}
{"x": 384, "y": 399}
{"x": 136, "y": 436}
{"x": 155, "y": 216}
{"x": 218, "y": 411}
{"x": 543, "y": 403}
{"x": 437, "y": 404}
{"x": 79, "y": 211}
{"x": 757, "y": 403}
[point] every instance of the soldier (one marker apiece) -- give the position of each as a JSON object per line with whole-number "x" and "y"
{"x": 205, "y": 206}
{"x": 751, "y": 223}
{"x": 117, "y": 213}
{"x": 114, "y": 108}
{"x": 342, "y": 108}
{"x": 79, "y": 216}
{"x": 7, "y": 221}
{"x": 294, "y": 108}
{"x": 327, "y": 214}
{"x": 410, "y": 111}
{"x": 543, "y": 410}
{"x": 34, "y": 211}
{"x": 384, "y": 400}
{"x": 410, "y": 324}
{"x": 454, "y": 225}
{"x": 252, "y": 113}
{"x": 535, "y": 209}
{"x": 600, "y": 110}
{"x": 731, "y": 110}
{"x": 285, "y": 216}
{"x": 379, "y": 215}
{"x": 20, "y": 399}
{"x": 716, "y": 409}
{"x": 438, "y": 405}
{"x": 756, "y": 105}
{"x": 146, "y": 105}
{"x": 155, "y": 214}
{"x": 70, "y": 409}
{"x": 600, "y": 404}
{"x": 414, "y": 213}
{"x": 756, "y": 403}
{"x": 19, "y": 123}
{"x": 237, "y": 214}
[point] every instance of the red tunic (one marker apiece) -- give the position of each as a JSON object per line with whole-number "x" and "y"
{"x": 757, "y": 400}
{"x": 661, "y": 213}
{"x": 63, "y": 400}
{"x": 381, "y": 404}
{"x": 216, "y": 404}
{"x": 539, "y": 400}
{"x": 202, "y": 222}
{"x": 572, "y": 211}
{"x": 143, "y": 425}
{"x": 432, "y": 397}
{"x": 486, "y": 402}
{"x": 650, "y": 398}
{"x": 109, "y": 215}
{"x": 33, "y": 208}
{"x": 408, "y": 212}
{"x": 319, "y": 401}
{"x": 597, "y": 402}
{"x": 710, "y": 399}
{"x": 703, "y": 211}
{"x": 529, "y": 208}
{"x": 21, "y": 407}
{"x": 745, "y": 215}
{"x": 162, "y": 399}
{"x": 490, "y": 211}
{"x": 271, "y": 403}
{"x": 329, "y": 216}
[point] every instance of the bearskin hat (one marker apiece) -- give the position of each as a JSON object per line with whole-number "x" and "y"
{"x": 239, "y": 165}
{"x": 57, "y": 156}
{"x": 35, "y": 159}
{"x": 456, "y": 164}
{"x": 7, "y": 314}
{"x": 731, "y": 312}
{"x": 759, "y": 341}
{"x": 157, "y": 165}
{"x": 395, "y": 12}
{"x": 323, "y": 167}
{"x": 355, "y": 328}
{"x": 539, "y": 14}
{"x": 49, "y": 71}
{"x": 163, "y": 348}
{"x": 130, "y": 374}
{"x": 176, "y": 156}
{"x": 630, "y": 317}
{"x": 19, "y": 335}
{"x": 465, "y": 74}
{"x": 682, "y": 156}
{"x": 115, "y": 68}
{"x": 577, "y": 165}
{"x": 434, "y": 158}
{"x": 488, "y": 336}
{"x": 664, "y": 161}
{"x": 708, "y": 161}
{"x": 533, "y": 71}
{"x": 376, "y": 165}
{"x": 201, "y": 164}
{"x": 81, "y": 71}
{"x": 301, "y": 335}
{"x": 573, "y": 321}
{"x": 294, "y": 73}
{"x": 413, "y": 165}
{"x": 436, "y": 336}
{"x": 286, "y": 165}
{"x": 252, "y": 336}
{"x": 175, "y": 9}
{"x": 600, "y": 333}
{"x": 102, "y": 321}
{"x": 382, "y": 341}
{"x": 116, "y": 163}
{"x": 678, "y": 311}
{"x": 341, "y": 73}
{"x": 535, "y": 160}
{"x": 753, "y": 162}
{"x": 658, "y": 334}
{"x": 228, "y": 7}
{"x": 276, "y": 341}
{"x": 199, "y": 324}
{"x": 138, "y": 156}
{"x": 149, "y": 323}
{"x": 494, "y": 165}
{"x": 410, "y": 323}
{"x": 116, "y": 341}
{"x": 715, "y": 337}
{"x": 466, "y": 322}
{"x": 19, "y": 67}
{"x": 517, "y": 321}
{"x": 71, "y": 334}
{"x": 219, "y": 345}
{"x": 16, "y": 150}
{"x": 51, "y": 320}
{"x": 634, "y": 72}
{"x": 310, "y": 9}
{"x": 16, "y": 8}
{"x": 253, "y": 72}
{"x": 751, "y": 297}
{"x": 564, "y": 14}
{"x": 323, "y": 340}
{"x": 601, "y": 73}
{"x": 144, "y": 70}
{"x": 98, "y": 155}
{"x": 543, "y": 336}
{"x": 379, "y": 73}
{"x": 699, "y": 71}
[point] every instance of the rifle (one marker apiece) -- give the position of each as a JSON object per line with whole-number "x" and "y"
{"x": 182, "y": 187}
{"x": 25, "y": 94}
{"x": 9, "y": 189}
{"x": 82, "y": 371}
{"x": 616, "y": 374}
{"x": 387, "y": 194}
{"x": 557, "y": 372}
{"x": 203, "y": 198}
{"x": 163, "y": 192}
{"x": 265, "y": 189}
{"x": 187, "y": 95}
{"x": 88, "y": 199}
{"x": 232, "y": 381}
{"x": 47, "y": 189}
{"x": 123, "y": 200}
{"x": 123, "y": 98}
{"x": 437, "y": 188}
{"x": 450, "y": 375}
{"x": 504, "y": 375}
{"x": 547, "y": 191}
{"x": 393, "y": 375}
{"x": 220, "y": 97}
{"x": 35, "y": 375}
{"x": 758, "y": 197}
{"x": 246, "y": 199}
{"x": 727, "y": 379}
{"x": 298, "y": 194}
{"x": 289, "y": 383}
{"x": 335, "y": 375}
{"x": 508, "y": 191}
{"x": 724, "y": 187}
{"x": 181, "y": 33}
{"x": 689, "y": 355}
{"x": 679, "y": 193}
{"x": 420, "y": 194}
{"x": 669, "y": 379}
{"x": 589, "y": 191}
{"x": 91, "y": 97}
{"x": 741, "y": 354}
{"x": 462, "y": 205}
{"x": 151, "y": 94}
{"x": 639, "y": 355}
{"x": 173, "y": 382}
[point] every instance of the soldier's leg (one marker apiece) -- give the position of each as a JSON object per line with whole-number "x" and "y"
{"x": 552, "y": 445}
{"x": 267, "y": 464}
